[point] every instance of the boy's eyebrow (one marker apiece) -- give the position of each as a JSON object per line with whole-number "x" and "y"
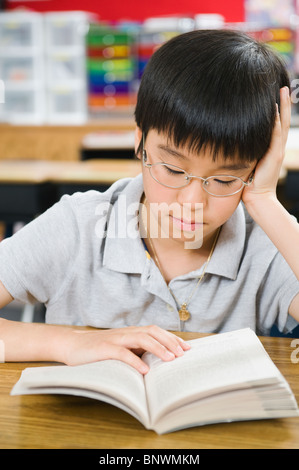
{"x": 171, "y": 151}
{"x": 234, "y": 166}
{"x": 228, "y": 166}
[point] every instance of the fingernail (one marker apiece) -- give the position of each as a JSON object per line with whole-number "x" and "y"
{"x": 277, "y": 110}
{"x": 186, "y": 345}
{"x": 169, "y": 355}
{"x": 179, "y": 350}
{"x": 144, "y": 369}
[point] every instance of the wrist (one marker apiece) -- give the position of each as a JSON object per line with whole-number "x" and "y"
{"x": 75, "y": 345}
{"x": 62, "y": 344}
{"x": 261, "y": 204}
{"x": 52, "y": 342}
{"x": 49, "y": 342}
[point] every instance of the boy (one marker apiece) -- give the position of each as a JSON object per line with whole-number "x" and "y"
{"x": 211, "y": 139}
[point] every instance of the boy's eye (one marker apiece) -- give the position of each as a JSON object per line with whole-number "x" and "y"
{"x": 224, "y": 181}
{"x": 173, "y": 171}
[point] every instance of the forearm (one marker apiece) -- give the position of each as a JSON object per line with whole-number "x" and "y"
{"x": 280, "y": 226}
{"x": 27, "y": 342}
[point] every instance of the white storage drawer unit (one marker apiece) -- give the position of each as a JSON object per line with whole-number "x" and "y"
{"x": 22, "y": 67}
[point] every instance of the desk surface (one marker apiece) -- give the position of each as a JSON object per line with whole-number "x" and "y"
{"x": 98, "y": 171}
{"x": 49, "y": 421}
{"x": 55, "y": 142}
{"x": 291, "y": 161}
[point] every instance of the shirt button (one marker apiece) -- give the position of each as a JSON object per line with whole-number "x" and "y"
{"x": 169, "y": 308}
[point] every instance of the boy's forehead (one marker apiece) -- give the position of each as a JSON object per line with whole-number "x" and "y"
{"x": 185, "y": 153}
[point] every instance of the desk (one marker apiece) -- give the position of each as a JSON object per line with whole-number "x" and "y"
{"x": 291, "y": 160}
{"x": 104, "y": 171}
{"x": 24, "y": 191}
{"x": 54, "y": 142}
{"x": 28, "y": 188}
{"x": 291, "y": 180}
{"x": 49, "y": 421}
{"x": 69, "y": 177}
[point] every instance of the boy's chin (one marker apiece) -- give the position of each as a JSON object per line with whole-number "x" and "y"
{"x": 192, "y": 239}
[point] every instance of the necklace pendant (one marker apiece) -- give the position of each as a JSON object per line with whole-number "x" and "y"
{"x": 184, "y": 312}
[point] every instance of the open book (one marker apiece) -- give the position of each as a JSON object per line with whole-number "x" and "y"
{"x": 222, "y": 378}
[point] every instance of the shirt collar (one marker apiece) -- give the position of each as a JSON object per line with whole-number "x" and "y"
{"x": 124, "y": 251}
{"x": 229, "y": 249}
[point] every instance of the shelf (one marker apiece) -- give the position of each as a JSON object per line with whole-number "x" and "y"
{"x": 54, "y": 142}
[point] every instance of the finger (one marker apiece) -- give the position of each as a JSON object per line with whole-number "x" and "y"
{"x": 145, "y": 342}
{"x": 186, "y": 346}
{"x": 153, "y": 340}
{"x": 114, "y": 351}
{"x": 275, "y": 148}
{"x": 285, "y": 114}
{"x": 172, "y": 342}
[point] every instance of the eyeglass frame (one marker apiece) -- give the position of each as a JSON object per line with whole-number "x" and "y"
{"x": 189, "y": 177}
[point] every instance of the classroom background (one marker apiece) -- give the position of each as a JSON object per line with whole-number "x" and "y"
{"x": 69, "y": 62}
{"x": 69, "y": 77}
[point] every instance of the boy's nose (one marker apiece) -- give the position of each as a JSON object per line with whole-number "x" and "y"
{"x": 193, "y": 193}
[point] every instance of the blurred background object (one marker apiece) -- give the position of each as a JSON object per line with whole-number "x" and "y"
{"x": 68, "y": 62}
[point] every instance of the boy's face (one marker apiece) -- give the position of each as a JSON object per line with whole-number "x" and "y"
{"x": 190, "y": 211}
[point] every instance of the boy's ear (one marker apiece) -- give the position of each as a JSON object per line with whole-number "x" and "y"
{"x": 138, "y": 138}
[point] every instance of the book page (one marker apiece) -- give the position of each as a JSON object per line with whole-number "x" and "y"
{"x": 264, "y": 402}
{"x": 216, "y": 363}
{"x": 97, "y": 380}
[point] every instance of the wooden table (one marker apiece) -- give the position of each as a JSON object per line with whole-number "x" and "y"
{"x": 28, "y": 188}
{"x": 49, "y": 421}
{"x": 94, "y": 171}
{"x": 99, "y": 174}
{"x": 291, "y": 160}
{"x": 54, "y": 142}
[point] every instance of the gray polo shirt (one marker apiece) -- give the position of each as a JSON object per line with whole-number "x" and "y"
{"x": 85, "y": 260}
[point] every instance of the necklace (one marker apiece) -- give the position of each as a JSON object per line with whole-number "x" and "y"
{"x": 183, "y": 310}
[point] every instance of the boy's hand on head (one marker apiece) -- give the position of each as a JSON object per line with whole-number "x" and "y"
{"x": 268, "y": 168}
{"x": 124, "y": 344}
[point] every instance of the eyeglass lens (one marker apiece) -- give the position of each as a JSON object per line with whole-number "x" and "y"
{"x": 173, "y": 177}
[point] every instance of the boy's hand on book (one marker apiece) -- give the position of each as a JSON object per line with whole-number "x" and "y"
{"x": 124, "y": 344}
{"x": 268, "y": 169}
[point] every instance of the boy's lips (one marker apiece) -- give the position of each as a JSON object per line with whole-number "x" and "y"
{"x": 187, "y": 225}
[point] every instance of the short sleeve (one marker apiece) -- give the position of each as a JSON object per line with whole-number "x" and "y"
{"x": 37, "y": 261}
{"x": 279, "y": 288}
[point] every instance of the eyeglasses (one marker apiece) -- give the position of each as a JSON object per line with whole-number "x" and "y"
{"x": 174, "y": 177}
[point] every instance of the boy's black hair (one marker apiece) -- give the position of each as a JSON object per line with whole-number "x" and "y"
{"x": 214, "y": 89}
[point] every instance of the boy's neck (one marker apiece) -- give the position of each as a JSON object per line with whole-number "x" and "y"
{"x": 174, "y": 257}
{"x": 175, "y": 260}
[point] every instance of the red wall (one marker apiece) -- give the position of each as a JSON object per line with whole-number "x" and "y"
{"x": 232, "y": 10}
